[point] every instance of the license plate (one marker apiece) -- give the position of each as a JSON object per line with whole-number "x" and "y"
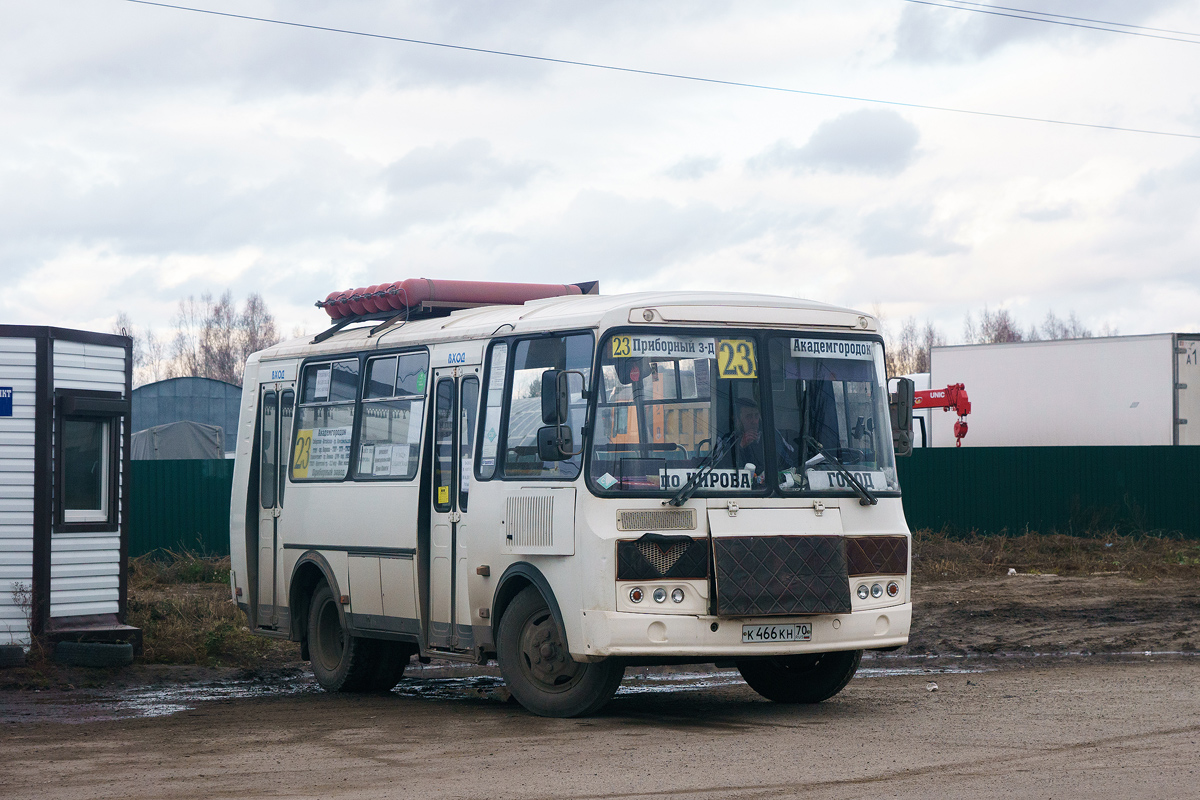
{"x": 798, "y": 632}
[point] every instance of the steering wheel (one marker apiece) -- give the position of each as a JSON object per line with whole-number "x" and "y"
{"x": 849, "y": 455}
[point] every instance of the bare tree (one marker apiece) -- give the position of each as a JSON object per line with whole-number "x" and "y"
{"x": 150, "y": 362}
{"x": 911, "y": 352}
{"x": 156, "y": 365}
{"x": 257, "y": 326}
{"x": 186, "y": 359}
{"x": 1070, "y": 328}
{"x": 213, "y": 339}
{"x": 124, "y": 327}
{"x": 993, "y": 327}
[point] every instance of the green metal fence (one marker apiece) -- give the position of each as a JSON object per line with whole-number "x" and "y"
{"x": 184, "y": 505}
{"x": 180, "y": 505}
{"x": 1065, "y": 489}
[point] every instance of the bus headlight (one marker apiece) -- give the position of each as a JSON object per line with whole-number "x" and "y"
{"x": 863, "y": 591}
{"x": 660, "y": 595}
{"x": 877, "y": 591}
{"x": 677, "y": 595}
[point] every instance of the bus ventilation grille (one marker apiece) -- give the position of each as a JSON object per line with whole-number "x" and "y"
{"x": 670, "y": 519}
{"x": 654, "y": 556}
{"x": 529, "y": 521}
{"x": 877, "y": 555}
{"x": 775, "y": 575}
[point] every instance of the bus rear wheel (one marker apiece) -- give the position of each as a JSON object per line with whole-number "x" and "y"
{"x": 808, "y": 678}
{"x": 340, "y": 662}
{"x": 538, "y": 669}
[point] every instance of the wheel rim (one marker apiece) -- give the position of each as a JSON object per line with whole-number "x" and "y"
{"x": 543, "y": 655}
{"x": 330, "y": 640}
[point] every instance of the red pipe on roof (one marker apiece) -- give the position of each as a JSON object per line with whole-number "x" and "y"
{"x": 415, "y": 291}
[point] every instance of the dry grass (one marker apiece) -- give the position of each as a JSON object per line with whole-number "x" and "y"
{"x": 938, "y": 556}
{"x": 182, "y": 604}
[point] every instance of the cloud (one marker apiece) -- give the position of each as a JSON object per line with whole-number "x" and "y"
{"x": 467, "y": 164}
{"x": 693, "y": 168}
{"x": 606, "y": 236}
{"x": 905, "y": 230}
{"x": 868, "y": 141}
{"x": 1050, "y": 213}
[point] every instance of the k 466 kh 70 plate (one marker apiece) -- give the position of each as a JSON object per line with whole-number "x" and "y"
{"x": 797, "y": 632}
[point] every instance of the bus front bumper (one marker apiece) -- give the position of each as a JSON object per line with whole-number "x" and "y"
{"x": 616, "y": 633}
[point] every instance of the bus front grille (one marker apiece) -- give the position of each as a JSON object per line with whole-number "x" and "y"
{"x": 780, "y": 575}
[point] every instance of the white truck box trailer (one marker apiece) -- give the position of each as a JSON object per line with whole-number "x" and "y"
{"x": 1114, "y": 390}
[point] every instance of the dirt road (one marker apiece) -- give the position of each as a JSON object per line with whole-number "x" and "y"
{"x": 1112, "y": 730}
{"x": 1011, "y": 717}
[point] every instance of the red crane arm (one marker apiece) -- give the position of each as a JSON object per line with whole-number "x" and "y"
{"x": 954, "y": 397}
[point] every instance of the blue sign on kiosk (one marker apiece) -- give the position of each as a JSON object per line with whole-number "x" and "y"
{"x": 5, "y": 401}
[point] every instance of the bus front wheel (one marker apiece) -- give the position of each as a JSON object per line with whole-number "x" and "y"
{"x": 340, "y": 662}
{"x": 808, "y": 678}
{"x": 538, "y": 669}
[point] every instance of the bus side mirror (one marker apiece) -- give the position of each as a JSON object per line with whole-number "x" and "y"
{"x": 901, "y": 406}
{"x": 554, "y": 443}
{"x": 554, "y": 402}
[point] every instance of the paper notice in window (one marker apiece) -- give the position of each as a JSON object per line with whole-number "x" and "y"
{"x": 384, "y": 454}
{"x": 416, "y": 415}
{"x": 330, "y": 453}
{"x": 366, "y": 459}
{"x": 321, "y": 391}
{"x": 496, "y": 379}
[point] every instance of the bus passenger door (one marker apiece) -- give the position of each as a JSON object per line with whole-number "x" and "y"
{"x": 455, "y": 405}
{"x": 275, "y": 417}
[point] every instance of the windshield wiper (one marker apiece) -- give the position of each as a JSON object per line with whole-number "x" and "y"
{"x": 865, "y": 497}
{"x": 724, "y": 445}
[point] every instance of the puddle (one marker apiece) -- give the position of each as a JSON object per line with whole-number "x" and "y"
{"x": 462, "y": 682}
{"x": 144, "y": 702}
{"x": 165, "y": 701}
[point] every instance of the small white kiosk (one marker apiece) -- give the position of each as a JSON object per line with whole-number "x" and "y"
{"x": 64, "y": 489}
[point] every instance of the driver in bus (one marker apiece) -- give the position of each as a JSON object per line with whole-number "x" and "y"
{"x": 748, "y": 445}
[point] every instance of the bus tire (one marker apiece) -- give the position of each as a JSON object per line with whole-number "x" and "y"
{"x": 340, "y": 662}
{"x": 806, "y": 678}
{"x": 391, "y": 659}
{"x": 538, "y": 669}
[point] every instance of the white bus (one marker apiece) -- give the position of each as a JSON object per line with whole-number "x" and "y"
{"x": 571, "y": 485}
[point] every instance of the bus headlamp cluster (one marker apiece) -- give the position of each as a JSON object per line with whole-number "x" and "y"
{"x": 637, "y": 595}
{"x": 876, "y": 590}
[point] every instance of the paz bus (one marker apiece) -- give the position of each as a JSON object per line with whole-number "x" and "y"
{"x": 569, "y": 483}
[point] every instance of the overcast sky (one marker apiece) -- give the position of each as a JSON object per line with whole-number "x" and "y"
{"x": 147, "y": 154}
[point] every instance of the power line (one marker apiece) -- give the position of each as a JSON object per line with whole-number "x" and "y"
{"x": 1055, "y": 21}
{"x": 1078, "y": 19}
{"x": 676, "y": 76}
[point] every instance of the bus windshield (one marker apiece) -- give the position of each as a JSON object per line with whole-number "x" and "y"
{"x": 789, "y": 413}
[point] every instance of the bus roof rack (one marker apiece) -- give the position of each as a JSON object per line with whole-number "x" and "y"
{"x": 423, "y": 298}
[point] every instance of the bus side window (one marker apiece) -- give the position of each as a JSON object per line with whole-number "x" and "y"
{"x": 392, "y": 416}
{"x": 325, "y": 421}
{"x": 532, "y": 357}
